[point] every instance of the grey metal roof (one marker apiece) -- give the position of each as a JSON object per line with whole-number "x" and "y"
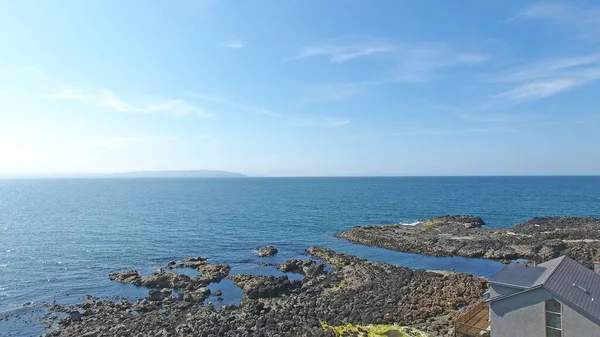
{"x": 570, "y": 282}
{"x": 576, "y": 285}
{"x": 519, "y": 275}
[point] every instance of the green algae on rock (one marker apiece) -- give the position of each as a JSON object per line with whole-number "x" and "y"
{"x": 374, "y": 330}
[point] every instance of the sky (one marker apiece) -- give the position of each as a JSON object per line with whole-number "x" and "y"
{"x": 300, "y": 87}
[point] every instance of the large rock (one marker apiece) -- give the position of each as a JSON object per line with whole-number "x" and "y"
{"x": 309, "y": 268}
{"x": 128, "y": 276}
{"x": 264, "y": 286}
{"x": 267, "y": 251}
{"x": 539, "y": 239}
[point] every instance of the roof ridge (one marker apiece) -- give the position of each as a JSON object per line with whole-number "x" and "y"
{"x": 562, "y": 259}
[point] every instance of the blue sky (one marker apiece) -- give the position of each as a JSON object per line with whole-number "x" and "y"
{"x": 300, "y": 87}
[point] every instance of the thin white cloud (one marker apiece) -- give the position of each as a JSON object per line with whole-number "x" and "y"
{"x": 233, "y": 44}
{"x": 342, "y": 52}
{"x": 585, "y": 20}
{"x": 414, "y": 62}
{"x": 563, "y": 13}
{"x": 119, "y": 143}
{"x": 550, "y": 68}
{"x": 107, "y": 99}
{"x": 419, "y": 62}
{"x": 320, "y": 122}
{"x": 547, "y": 78}
{"x": 339, "y": 91}
{"x": 496, "y": 129}
{"x": 416, "y": 131}
{"x": 539, "y": 89}
{"x": 236, "y": 105}
{"x": 311, "y": 121}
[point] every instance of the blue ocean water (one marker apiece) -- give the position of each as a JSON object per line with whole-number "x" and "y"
{"x": 59, "y": 239}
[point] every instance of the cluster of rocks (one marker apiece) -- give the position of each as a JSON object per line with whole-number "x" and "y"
{"x": 354, "y": 291}
{"x": 538, "y": 239}
{"x": 308, "y": 268}
{"x": 191, "y": 289}
{"x": 267, "y": 251}
{"x": 265, "y": 286}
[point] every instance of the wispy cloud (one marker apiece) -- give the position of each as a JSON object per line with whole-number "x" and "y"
{"x": 410, "y": 61}
{"x": 418, "y": 62}
{"x": 232, "y": 44}
{"x": 319, "y": 122}
{"x": 416, "y": 131}
{"x": 406, "y": 62}
{"x": 563, "y": 13}
{"x": 547, "y": 78}
{"x": 339, "y": 91}
{"x": 235, "y": 105}
{"x": 581, "y": 19}
{"x": 105, "y": 98}
{"x": 495, "y": 129}
{"x": 310, "y": 121}
{"x": 338, "y": 52}
{"x": 497, "y": 118}
{"x": 119, "y": 143}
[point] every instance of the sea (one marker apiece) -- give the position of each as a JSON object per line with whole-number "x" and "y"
{"x": 59, "y": 239}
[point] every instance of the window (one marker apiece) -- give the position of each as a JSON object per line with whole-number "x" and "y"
{"x": 553, "y": 318}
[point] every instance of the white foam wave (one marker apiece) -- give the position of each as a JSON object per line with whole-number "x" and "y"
{"x": 410, "y": 223}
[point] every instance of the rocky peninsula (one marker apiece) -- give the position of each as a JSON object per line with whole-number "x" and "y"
{"x": 538, "y": 239}
{"x": 339, "y": 295}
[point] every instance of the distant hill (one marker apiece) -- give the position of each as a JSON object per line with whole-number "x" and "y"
{"x": 138, "y": 174}
{"x": 178, "y": 174}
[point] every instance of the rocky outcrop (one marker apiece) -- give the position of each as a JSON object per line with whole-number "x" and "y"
{"x": 192, "y": 262}
{"x": 128, "y": 276}
{"x": 539, "y": 239}
{"x": 466, "y": 221}
{"x": 309, "y": 268}
{"x": 267, "y": 251}
{"x": 165, "y": 278}
{"x": 214, "y": 272}
{"x": 356, "y": 291}
{"x": 265, "y": 286}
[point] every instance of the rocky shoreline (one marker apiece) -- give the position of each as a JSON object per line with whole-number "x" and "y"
{"x": 538, "y": 239}
{"x": 339, "y": 295}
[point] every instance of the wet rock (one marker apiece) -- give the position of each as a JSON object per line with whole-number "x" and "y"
{"x": 158, "y": 280}
{"x": 218, "y": 293}
{"x": 214, "y": 272}
{"x": 309, "y": 268}
{"x": 267, "y": 251}
{"x": 127, "y": 276}
{"x": 355, "y": 291}
{"x": 157, "y": 295}
{"x": 264, "y": 286}
{"x": 75, "y": 316}
{"x": 539, "y": 239}
{"x": 191, "y": 262}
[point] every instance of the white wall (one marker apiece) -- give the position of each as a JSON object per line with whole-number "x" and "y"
{"x": 576, "y": 325}
{"x": 524, "y": 316}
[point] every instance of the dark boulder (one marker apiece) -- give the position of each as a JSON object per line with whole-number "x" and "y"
{"x": 267, "y": 251}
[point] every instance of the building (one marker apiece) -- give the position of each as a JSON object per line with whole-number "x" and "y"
{"x": 557, "y": 298}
